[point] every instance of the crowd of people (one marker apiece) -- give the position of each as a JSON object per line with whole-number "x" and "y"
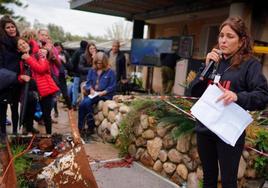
{"x": 33, "y": 70}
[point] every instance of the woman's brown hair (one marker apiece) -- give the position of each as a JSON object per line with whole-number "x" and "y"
{"x": 5, "y": 20}
{"x": 245, "y": 51}
{"x": 88, "y": 56}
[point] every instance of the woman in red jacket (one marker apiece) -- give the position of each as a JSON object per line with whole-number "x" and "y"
{"x": 35, "y": 58}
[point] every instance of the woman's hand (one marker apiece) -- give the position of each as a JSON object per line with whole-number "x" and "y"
{"x": 25, "y": 56}
{"x": 92, "y": 91}
{"x": 124, "y": 81}
{"x": 42, "y": 53}
{"x": 227, "y": 96}
{"x": 102, "y": 93}
{"x": 25, "y": 78}
{"x": 214, "y": 55}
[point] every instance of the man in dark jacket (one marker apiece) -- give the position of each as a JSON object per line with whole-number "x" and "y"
{"x": 76, "y": 79}
{"x": 117, "y": 61}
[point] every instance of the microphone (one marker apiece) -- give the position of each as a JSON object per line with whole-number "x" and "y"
{"x": 209, "y": 68}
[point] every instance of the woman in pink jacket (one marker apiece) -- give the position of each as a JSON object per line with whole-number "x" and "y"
{"x": 36, "y": 59}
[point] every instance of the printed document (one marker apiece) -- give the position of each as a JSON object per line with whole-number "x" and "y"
{"x": 91, "y": 96}
{"x": 227, "y": 121}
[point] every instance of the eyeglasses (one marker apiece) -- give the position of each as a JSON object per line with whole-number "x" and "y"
{"x": 99, "y": 62}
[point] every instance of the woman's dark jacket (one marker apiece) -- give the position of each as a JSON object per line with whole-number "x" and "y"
{"x": 9, "y": 69}
{"x": 83, "y": 68}
{"x": 247, "y": 81}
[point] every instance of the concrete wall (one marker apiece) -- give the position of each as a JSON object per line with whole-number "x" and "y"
{"x": 176, "y": 29}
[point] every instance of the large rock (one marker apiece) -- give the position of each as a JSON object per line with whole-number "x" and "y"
{"x": 140, "y": 142}
{"x": 199, "y": 173}
{"x": 183, "y": 143}
{"x": 146, "y": 159}
{"x": 97, "y": 122}
{"x": 158, "y": 166}
{"x": 168, "y": 142}
{"x": 100, "y": 105}
{"x": 192, "y": 181}
{"x": 132, "y": 149}
{"x": 124, "y": 109}
{"x": 190, "y": 164}
{"x": 245, "y": 154}
{"x": 137, "y": 129}
{"x": 114, "y": 130}
{"x": 242, "y": 168}
{"x": 111, "y": 116}
{"x": 177, "y": 179}
{"x": 104, "y": 124}
{"x": 154, "y": 146}
{"x": 163, "y": 156}
{"x": 118, "y": 118}
{"x": 106, "y": 135}
{"x": 148, "y": 134}
{"x": 105, "y": 109}
{"x": 162, "y": 128}
{"x": 152, "y": 122}
{"x": 144, "y": 121}
{"x": 174, "y": 156}
{"x": 251, "y": 173}
{"x": 169, "y": 167}
{"x": 112, "y": 105}
{"x": 182, "y": 171}
{"x": 139, "y": 152}
{"x": 100, "y": 116}
{"x": 193, "y": 140}
{"x": 193, "y": 153}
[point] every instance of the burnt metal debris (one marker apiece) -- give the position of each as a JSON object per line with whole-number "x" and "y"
{"x": 57, "y": 160}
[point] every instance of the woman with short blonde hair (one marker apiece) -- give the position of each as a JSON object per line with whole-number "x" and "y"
{"x": 100, "y": 85}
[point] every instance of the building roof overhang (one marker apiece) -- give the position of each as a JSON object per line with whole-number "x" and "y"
{"x": 147, "y": 9}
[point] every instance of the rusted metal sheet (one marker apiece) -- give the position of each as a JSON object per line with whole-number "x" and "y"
{"x": 8, "y": 178}
{"x": 72, "y": 169}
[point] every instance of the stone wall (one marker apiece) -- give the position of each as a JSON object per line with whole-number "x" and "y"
{"x": 155, "y": 148}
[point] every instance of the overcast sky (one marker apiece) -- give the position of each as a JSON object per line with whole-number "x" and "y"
{"x": 59, "y": 13}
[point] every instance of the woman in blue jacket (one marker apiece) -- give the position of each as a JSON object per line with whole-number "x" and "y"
{"x": 100, "y": 85}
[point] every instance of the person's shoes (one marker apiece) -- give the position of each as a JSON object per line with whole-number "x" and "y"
{"x": 24, "y": 131}
{"x": 82, "y": 132}
{"x": 35, "y": 131}
{"x": 8, "y": 122}
{"x": 54, "y": 121}
{"x": 74, "y": 108}
{"x": 41, "y": 122}
{"x": 90, "y": 131}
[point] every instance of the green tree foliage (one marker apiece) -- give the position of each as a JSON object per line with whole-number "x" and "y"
{"x": 4, "y": 9}
{"x": 56, "y": 32}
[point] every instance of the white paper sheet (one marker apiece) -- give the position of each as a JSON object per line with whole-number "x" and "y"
{"x": 227, "y": 122}
{"x": 91, "y": 96}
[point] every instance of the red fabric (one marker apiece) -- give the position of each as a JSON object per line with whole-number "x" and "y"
{"x": 34, "y": 46}
{"x": 41, "y": 75}
{"x": 126, "y": 162}
{"x": 40, "y": 72}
